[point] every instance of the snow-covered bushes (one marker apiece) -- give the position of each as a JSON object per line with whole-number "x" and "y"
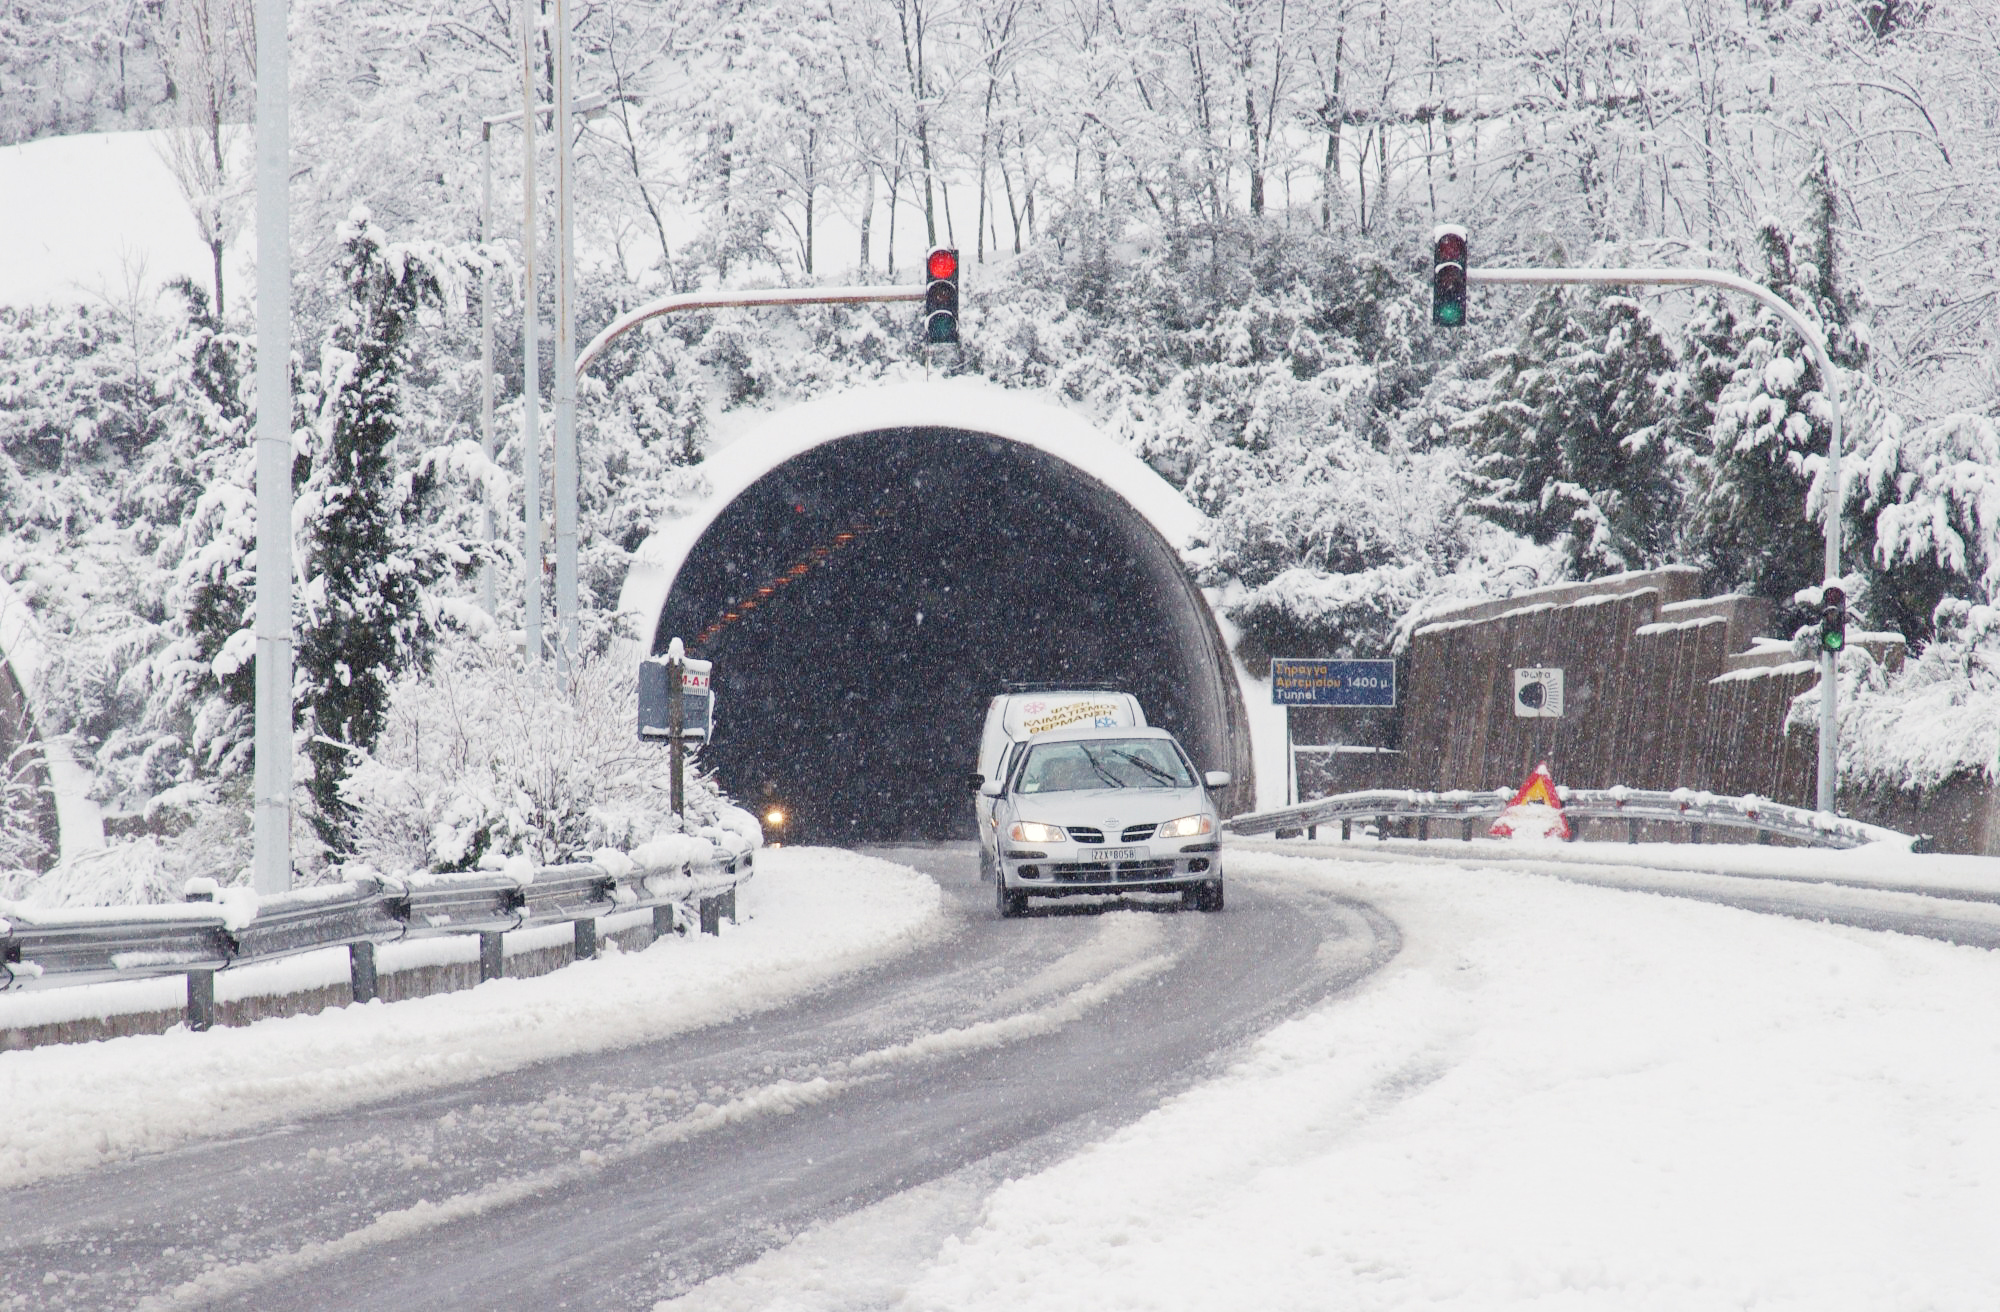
{"x": 486, "y": 757}
{"x": 1938, "y": 719}
{"x": 1931, "y": 494}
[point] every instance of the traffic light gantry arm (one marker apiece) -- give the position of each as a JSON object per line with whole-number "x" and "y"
{"x": 723, "y": 298}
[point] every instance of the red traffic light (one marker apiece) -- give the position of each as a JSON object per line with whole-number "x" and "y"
{"x": 943, "y": 263}
{"x": 1451, "y": 248}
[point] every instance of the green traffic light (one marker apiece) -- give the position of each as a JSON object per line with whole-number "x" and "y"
{"x": 1832, "y": 639}
{"x": 1450, "y": 314}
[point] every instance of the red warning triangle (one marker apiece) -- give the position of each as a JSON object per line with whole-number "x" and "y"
{"x": 1541, "y": 787}
{"x": 1522, "y": 819}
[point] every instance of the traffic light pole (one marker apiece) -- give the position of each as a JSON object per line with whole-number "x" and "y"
{"x": 1829, "y": 719}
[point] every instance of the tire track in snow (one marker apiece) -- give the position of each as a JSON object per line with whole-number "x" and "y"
{"x": 1119, "y": 940}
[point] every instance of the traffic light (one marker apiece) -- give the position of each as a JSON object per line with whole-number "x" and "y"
{"x": 1833, "y": 619}
{"x": 941, "y": 298}
{"x": 1448, "y": 276}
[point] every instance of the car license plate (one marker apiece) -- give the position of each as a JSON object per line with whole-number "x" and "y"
{"x": 1117, "y": 854}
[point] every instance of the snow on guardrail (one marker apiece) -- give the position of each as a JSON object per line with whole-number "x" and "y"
{"x": 217, "y": 929}
{"x": 1633, "y": 805}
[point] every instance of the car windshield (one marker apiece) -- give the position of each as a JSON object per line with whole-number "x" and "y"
{"x": 1104, "y": 763}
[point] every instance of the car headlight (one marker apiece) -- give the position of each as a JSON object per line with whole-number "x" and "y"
{"x": 1027, "y": 831}
{"x": 1188, "y": 826}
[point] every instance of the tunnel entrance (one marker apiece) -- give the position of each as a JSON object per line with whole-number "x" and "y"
{"x": 865, "y": 599}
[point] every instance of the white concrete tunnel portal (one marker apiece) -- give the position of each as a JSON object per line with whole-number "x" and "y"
{"x": 867, "y": 571}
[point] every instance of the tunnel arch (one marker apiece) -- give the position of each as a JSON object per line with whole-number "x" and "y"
{"x": 1031, "y": 545}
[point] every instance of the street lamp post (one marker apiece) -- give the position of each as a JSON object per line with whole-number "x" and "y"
{"x": 271, "y": 820}
{"x": 565, "y": 361}
{"x": 531, "y": 362}
{"x": 486, "y": 598}
{"x": 589, "y": 107}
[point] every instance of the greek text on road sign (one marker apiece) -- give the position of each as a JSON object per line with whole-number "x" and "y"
{"x": 1298, "y": 681}
{"x": 1538, "y": 693}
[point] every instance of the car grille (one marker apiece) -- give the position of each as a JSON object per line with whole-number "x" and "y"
{"x": 1102, "y": 872}
{"x": 1085, "y": 834}
{"x": 1137, "y": 833}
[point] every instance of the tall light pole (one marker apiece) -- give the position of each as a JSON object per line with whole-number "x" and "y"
{"x": 565, "y": 361}
{"x": 271, "y": 823}
{"x": 531, "y": 362}
{"x": 589, "y": 107}
{"x": 486, "y": 598}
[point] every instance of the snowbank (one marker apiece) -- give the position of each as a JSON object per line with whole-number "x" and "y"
{"x": 811, "y": 915}
{"x": 1556, "y": 1097}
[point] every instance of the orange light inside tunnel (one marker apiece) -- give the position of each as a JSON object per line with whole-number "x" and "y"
{"x": 774, "y": 816}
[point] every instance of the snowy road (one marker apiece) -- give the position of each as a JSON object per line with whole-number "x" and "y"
{"x": 611, "y": 1179}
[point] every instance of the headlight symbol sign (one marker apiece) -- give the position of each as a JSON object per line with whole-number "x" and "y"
{"x": 1538, "y": 693}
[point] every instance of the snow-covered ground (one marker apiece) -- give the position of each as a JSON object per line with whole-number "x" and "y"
{"x": 1556, "y": 1097}
{"x": 808, "y": 916}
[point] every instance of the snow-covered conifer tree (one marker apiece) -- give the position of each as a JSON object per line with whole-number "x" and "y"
{"x": 1929, "y": 520}
{"x": 1752, "y": 524}
{"x": 198, "y": 482}
{"x": 1577, "y": 440}
{"x": 367, "y": 560}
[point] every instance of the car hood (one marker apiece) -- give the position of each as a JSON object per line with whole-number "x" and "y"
{"x": 1110, "y": 809}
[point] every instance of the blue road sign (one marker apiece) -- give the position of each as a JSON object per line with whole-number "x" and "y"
{"x": 1302, "y": 682}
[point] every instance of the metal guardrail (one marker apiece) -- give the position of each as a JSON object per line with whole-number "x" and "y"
{"x": 199, "y": 937}
{"x": 1635, "y": 806}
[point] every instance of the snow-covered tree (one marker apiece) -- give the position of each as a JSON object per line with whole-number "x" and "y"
{"x": 1760, "y": 504}
{"x": 368, "y": 555}
{"x": 209, "y": 46}
{"x": 1929, "y": 517}
{"x": 1937, "y": 720}
{"x": 198, "y": 484}
{"x": 1578, "y": 440}
{"x": 25, "y": 846}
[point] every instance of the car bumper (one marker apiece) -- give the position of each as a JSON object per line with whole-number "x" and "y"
{"x": 1055, "y": 875}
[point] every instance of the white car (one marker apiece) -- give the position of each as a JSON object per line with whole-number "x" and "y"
{"x": 1116, "y": 810}
{"x": 1024, "y": 712}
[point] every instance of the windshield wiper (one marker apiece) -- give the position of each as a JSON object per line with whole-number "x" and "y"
{"x": 1102, "y": 773}
{"x": 1147, "y": 766}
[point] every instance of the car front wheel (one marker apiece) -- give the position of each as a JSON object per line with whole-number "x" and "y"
{"x": 1205, "y": 896}
{"x": 1010, "y": 903}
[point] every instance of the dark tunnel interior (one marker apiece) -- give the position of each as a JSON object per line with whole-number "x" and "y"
{"x": 863, "y": 601}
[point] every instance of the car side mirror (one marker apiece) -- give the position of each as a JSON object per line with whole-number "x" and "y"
{"x": 974, "y": 780}
{"x": 1216, "y": 778}
{"x": 992, "y": 788}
